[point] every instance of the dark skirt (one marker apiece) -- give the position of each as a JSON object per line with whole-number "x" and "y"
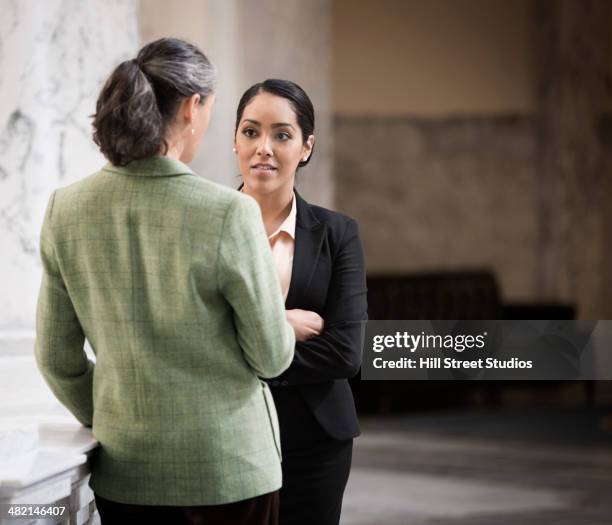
{"x": 261, "y": 510}
{"x": 314, "y": 479}
{"x": 315, "y": 466}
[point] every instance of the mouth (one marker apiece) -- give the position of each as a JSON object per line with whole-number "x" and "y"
{"x": 263, "y": 167}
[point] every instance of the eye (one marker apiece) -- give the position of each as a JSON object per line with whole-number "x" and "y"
{"x": 249, "y": 132}
{"x": 283, "y": 135}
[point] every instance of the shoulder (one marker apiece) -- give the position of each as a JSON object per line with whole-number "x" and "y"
{"x": 220, "y": 207}
{"x": 64, "y": 200}
{"x": 337, "y": 224}
{"x": 201, "y": 202}
{"x": 76, "y": 188}
{"x": 224, "y": 197}
{"x": 332, "y": 218}
{"x": 192, "y": 188}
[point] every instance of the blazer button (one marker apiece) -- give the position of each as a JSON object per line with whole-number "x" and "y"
{"x": 275, "y": 383}
{"x": 284, "y": 383}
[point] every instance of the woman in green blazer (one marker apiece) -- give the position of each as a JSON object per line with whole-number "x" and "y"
{"x": 171, "y": 280}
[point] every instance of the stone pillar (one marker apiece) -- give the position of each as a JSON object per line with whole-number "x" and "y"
{"x": 216, "y": 160}
{"x": 54, "y": 58}
{"x": 573, "y": 192}
{"x": 292, "y": 40}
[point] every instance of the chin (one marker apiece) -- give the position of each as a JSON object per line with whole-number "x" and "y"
{"x": 261, "y": 186}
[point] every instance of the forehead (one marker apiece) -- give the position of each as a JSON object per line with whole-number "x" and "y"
{"x": 268, "y": 108}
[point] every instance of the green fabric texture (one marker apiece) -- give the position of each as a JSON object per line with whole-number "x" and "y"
{"x": 171, "y": 280}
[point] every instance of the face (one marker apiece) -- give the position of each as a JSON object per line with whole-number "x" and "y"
{"x": 269, "y": 145}
{"x": 198, "y": 116}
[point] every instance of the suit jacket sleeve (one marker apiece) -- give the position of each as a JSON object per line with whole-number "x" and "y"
{"x": 59, "y": 350}
{"x": 336, "y": 353}
{"x": 248, "y": 280}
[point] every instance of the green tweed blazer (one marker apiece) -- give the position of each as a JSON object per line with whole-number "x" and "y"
{"x": 171, "y": 280}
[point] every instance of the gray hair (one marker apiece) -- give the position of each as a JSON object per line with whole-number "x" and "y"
{"x": 141, "y": 98}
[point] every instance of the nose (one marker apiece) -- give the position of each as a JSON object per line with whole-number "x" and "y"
{"x": 264, "y": 148}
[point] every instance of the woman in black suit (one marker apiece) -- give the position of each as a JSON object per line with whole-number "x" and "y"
{"x": 320, "y": 262}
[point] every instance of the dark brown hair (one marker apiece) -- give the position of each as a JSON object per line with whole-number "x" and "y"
{"x": 142, "y": 96}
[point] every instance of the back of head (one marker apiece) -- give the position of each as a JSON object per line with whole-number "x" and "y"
{"x": 140, "y": 99}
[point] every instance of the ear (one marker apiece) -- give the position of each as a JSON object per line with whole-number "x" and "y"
{"x": 190, "y": 107}
{"x": 307, "y": 147}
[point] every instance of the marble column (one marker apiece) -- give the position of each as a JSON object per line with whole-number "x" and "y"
{"x": 54, "y": 58}
{"x": 292, "y": 40}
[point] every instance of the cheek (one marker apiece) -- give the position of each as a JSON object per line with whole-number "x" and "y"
{"x": 244, "y": 152}
{"x": 290, "y": 156}
{"x": 206, "y": 123}
{"x": 243, "y": 157}
{"x": 204, "y": 119}
{"x": 244, "y": 147}
{"x": 202, "y": 129}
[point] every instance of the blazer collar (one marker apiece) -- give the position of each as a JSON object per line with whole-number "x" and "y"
{"x": 309, "y": 237}
{"x": 157, "y": 166}
{"x": 305, "y": 216}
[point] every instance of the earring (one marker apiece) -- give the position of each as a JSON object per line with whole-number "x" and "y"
{"x": 192, "y": 131}
{"x": 304, "y": 159}
{"x": 234, "y": 150}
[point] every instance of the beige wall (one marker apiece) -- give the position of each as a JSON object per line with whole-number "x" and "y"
{"x": 185, "y": 19}
{"x": 433, "y": 58}
{"x": 188, "y": 19}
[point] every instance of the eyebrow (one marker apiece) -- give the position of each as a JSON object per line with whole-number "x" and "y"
{"x": 275, "y": 125}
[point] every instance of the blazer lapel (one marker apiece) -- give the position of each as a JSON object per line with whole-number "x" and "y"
{"x": 309, "y": 235}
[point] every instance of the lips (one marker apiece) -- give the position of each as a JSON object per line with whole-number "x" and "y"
{"x": 264, "y": 167}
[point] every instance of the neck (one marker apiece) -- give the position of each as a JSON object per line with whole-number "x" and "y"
{"x": 174, "y": 152}
{"x": 275, "y": 207}
{"x": 175, "y": 147}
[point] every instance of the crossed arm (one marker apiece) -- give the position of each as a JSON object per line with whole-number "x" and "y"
{"x": 330, "y": 347}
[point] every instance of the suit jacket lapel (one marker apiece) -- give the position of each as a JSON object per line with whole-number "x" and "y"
{"x": 309, "y": 235}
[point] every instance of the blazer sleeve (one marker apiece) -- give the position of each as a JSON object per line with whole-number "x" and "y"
{"x": 59, "y": 349}
{"x": 247, "y": 278}
{"x": 337, "y": 352}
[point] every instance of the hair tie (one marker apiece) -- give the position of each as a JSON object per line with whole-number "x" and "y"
{"x": 139, "y": 65}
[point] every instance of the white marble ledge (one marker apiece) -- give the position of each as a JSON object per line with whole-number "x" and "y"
{"x": 54, "y": 449}
{"x": 39, "y": 438}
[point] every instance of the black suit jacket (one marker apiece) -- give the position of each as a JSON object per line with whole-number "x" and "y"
{"x": 328, "y": 277}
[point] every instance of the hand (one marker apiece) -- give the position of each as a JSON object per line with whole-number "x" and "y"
{"x": 306, "y": 324}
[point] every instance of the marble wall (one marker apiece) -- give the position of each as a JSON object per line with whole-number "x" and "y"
{"x": 54, "y": 58}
